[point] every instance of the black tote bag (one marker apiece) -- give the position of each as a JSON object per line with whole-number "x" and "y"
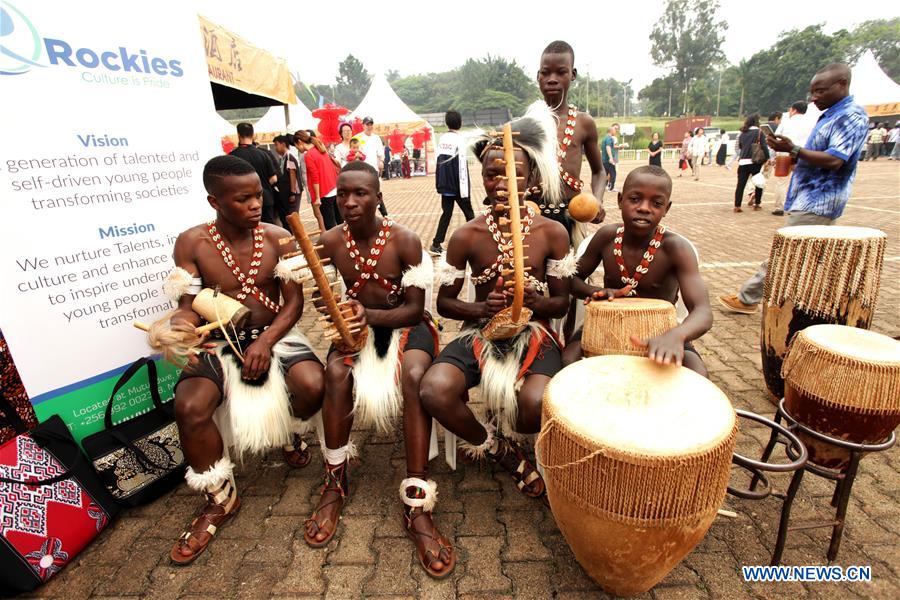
{"x": 139, "y": 459}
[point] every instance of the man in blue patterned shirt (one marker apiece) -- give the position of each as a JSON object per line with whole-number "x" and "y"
{"x": 825, "y": 168}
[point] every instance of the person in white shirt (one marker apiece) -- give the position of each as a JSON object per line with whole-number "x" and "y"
{"x": 894, "y": 142}
{"x": 699, "y": 149}
{"x": 372, "y": 146}
{"x": 796, "y": 127}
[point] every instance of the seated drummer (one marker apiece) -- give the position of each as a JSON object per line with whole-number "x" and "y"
{"x": 511, "y": 374}
{"x": 671, "y": 267}
{"x": 239, "y": 255}
{"x": 381, "y": 265}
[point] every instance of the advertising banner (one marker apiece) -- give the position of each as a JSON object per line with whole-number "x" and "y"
{"x": 108, "y": 120}
{"x": 236, "y": 63}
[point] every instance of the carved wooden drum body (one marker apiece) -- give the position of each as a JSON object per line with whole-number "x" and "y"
{"x": 843, "y": 382}
{"x": 608, "y": 326}
{"x": 817, "y": 274}
{"x": 637, "y": 458}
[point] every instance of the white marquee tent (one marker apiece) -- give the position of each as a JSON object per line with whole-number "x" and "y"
{"x": 386, "y": 108}
{"x": 872, "y": 88}
{"x": 299, "y": 117}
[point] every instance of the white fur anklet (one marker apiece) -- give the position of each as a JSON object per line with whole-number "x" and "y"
{"x": 478, "y": 452}
{"x": 212, "y": 478}
{"x": 429, "y": 487}
{"x": 339, "y": 455}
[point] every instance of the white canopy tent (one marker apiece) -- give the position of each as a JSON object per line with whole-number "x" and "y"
{"x": 386, "y": 108}
{"x": 389, "y": 112}
{"x": 299, "y": 117}
{"x": 225, "y": 128}
{"x": 872, "y": 88}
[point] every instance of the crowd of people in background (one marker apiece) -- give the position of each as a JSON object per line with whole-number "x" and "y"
{"x": 301, "y": 162}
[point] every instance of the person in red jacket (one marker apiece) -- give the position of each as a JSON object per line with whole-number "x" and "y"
{"x": 321, "y": 176}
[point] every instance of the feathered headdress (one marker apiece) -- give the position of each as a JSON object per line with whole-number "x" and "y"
{"x": 536, "y": 136}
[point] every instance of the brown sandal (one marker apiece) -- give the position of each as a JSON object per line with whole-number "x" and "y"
{"x": 335, "y": 482}
{"x": 213, "y": 516}
{"x": 415, "y": 508}
{"x": 511, "y": 458}
{"x": 297, "y": 455}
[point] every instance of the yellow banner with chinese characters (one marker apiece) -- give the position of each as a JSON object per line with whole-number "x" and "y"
{"x": 234, "y": 62}
{"x": 883, "y": 110}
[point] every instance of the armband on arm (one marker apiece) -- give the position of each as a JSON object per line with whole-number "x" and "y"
{"x": 564, "y": 267}
{"x": 448, "y": 274}
{"x": 420, "y": 276}
{"x": 180, "y": 282}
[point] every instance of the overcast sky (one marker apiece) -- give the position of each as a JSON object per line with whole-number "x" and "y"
{"x": 611, "y": 39}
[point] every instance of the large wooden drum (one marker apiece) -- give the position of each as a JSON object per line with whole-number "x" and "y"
{"x": 843, "y": 382}
{"x": 636, "y": 459}
{"x": 817, "y": 274}
{"x": 609, "y": 325}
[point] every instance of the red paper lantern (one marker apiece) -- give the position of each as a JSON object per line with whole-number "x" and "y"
{"x": 395, "y": 141}
{"x": 227, "y": 145}
{"x": 357, "y": 125}
{"x": 329, "y": 121}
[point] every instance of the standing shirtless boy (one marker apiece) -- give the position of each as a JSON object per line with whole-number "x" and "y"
{"x": 513, "y": 373}
{"x": 240, "y": 256}
{"x": 576, "y": 134}
{"x": 644, "y": 201}
{"x": 381, "y": 265}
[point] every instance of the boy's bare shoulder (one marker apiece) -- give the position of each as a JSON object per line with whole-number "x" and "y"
{"x": 676, "y": 245}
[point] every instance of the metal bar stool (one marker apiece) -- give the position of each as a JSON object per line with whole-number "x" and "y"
{"x": 843, "y": 477}
{"x": 798, "y": 455}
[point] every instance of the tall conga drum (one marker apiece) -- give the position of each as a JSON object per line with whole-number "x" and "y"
{"x": 636, "y": 460}
{"x": 817, "y": 274}
{"x": 843, "y": 382}
{"x": 608, "y": 326}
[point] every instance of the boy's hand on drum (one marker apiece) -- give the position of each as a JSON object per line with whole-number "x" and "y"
{"x": 496, "y": 299}
{"x": 609, "y": 294}
{"x": 665, "y": 349}
{"x": 257, "y": 358}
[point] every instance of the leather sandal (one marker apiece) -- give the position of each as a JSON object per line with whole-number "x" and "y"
{"x": 193, "y": 541}
{"x": 336, "y": 483}
{"x": 297, "y": 455}
{"x": 431, "y": 545}
{"x": 511, "y": 458}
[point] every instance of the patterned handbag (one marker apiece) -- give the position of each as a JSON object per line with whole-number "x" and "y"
{"x": 51, "y": 505}
{"x": 139, "y": 459}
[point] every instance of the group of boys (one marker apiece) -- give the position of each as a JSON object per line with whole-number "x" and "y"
{"x": 400, "y": 372}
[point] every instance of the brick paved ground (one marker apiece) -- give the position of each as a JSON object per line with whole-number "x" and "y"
{"x": 510, "y": 546}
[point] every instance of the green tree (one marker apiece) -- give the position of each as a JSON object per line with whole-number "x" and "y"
{"x": 882, "y": 37}
{"x": 780, "y": 75}
{"x": 687, "y": 39}
{"x": 352, "y": 82}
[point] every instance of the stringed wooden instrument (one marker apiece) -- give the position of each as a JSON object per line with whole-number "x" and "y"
{"x": 511, "y": 320}
{"x": 342, "y": 326}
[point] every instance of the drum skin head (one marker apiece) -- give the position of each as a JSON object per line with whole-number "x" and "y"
{"x": 632, "y": 404}
{"x": 839, "y": 232}
{"x": 854, "y": 342}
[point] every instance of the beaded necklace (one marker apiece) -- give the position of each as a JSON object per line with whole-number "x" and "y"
{"x": 366, "y": 267}
{"x": 504, "y": 251}
{"x": 248, "y": 282}
{"x": 568, "y": 132}
{"x": 641, "y": 269}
